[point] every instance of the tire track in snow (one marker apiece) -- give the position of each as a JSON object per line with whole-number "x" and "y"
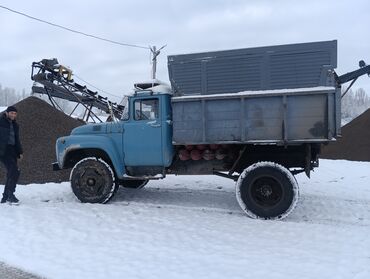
{"x": 312, "y": 209}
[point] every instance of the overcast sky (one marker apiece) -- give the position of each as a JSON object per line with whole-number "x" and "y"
{"x": 185, "y": 26}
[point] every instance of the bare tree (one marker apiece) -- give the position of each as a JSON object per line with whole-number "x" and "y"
{"x": 354, "y": 103}
{"x": 9, "y": 96}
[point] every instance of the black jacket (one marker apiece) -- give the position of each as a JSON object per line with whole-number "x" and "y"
{"x": 4, "y": 135}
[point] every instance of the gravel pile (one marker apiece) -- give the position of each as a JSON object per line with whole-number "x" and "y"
{"x": 355, "y": 142}
{"x": 40, "y": 125}
{"x": 9, "y": 272}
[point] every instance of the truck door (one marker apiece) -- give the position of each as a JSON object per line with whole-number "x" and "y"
{"x": 142, "y": 137}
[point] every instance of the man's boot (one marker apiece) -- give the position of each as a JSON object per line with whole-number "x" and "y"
{"x": 4, "y": 199}
{"x": 12, "y": 199}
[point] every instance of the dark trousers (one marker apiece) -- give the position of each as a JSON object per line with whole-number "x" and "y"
{"x": 10, "y": 161}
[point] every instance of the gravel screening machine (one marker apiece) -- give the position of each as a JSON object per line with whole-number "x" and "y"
{"x": 56, "y": 81}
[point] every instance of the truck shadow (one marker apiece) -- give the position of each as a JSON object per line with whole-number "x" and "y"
{"x": 217, "y": 200}
{"x": 313, "y": 209}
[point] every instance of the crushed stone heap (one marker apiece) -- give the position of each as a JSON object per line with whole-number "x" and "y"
{"x": 355, "y": 142}
{"x": 40, "y": 125}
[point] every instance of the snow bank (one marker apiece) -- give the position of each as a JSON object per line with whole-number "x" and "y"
{"x": 193, "y": 227}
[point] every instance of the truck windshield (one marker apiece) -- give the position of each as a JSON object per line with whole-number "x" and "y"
{"x": 125, "y": 114}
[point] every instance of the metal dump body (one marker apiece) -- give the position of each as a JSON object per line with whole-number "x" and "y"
{"x": 277, "y": 94}
{"x": 275, "y": 116}
{"x": 262, "y": 68}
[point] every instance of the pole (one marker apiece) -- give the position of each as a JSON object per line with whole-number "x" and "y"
{"x": 155, "y": 53}
{"x": 154, "y": 61}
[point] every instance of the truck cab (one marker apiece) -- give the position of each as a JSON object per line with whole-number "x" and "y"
{"x": 147, "y": 132}
{"x": 135, "y": 148}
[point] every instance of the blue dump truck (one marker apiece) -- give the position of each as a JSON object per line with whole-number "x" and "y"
{"x": 257, "y": 116}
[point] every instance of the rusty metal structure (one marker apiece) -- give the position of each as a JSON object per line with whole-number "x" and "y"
{"x": 56, "y": 81}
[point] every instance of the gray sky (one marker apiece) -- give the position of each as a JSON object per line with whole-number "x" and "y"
{"x": 185, "y": 26}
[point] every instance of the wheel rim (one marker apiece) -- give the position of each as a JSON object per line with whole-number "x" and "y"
{"x": 91, "y": 182}
{"x": 266, "y": 192}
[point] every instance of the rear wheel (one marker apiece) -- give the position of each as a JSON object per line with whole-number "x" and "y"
{"x": 267, "y": 190}
{"x": 93, "y": 180}
{"x": 134, "y": 184}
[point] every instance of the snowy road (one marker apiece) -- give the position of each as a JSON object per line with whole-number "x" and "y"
{"x": 192, "y": 227}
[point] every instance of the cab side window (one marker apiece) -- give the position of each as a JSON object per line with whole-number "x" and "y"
{"x": 147, "y": 109}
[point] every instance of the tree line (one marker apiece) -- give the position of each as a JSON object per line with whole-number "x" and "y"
{"x": 354, "y": 103}
{"x": 10, "y": 96}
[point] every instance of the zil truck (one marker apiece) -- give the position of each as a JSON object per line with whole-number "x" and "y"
{"x": 257, "y": 116}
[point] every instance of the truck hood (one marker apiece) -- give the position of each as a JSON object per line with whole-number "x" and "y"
{"x": 90, "y": 129}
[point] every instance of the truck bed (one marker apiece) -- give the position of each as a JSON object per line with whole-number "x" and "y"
{"x": 276, "y": 94}
{"x": 282, "y": 116}
{"x": 260, "y": 68}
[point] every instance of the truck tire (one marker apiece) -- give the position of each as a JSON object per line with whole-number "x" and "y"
{"x": 267, "y": 190}
{"x": 93, "y": 181}
{"x": 134, "y": 184}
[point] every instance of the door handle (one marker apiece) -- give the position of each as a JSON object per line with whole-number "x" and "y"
{"x": 154, "y": 124}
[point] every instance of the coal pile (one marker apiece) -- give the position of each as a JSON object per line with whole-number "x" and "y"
{"x": 40, "y": 125}
{"x": 355, "y": 142}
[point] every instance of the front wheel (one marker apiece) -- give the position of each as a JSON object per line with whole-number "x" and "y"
{"x": 267, "y": 190}
{"x": 93, "y": 181}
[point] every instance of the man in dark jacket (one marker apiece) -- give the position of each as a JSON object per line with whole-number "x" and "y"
{"x": 10, "y": 152}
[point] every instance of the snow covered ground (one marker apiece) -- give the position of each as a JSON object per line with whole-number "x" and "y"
{"x": 192, "y": 227}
